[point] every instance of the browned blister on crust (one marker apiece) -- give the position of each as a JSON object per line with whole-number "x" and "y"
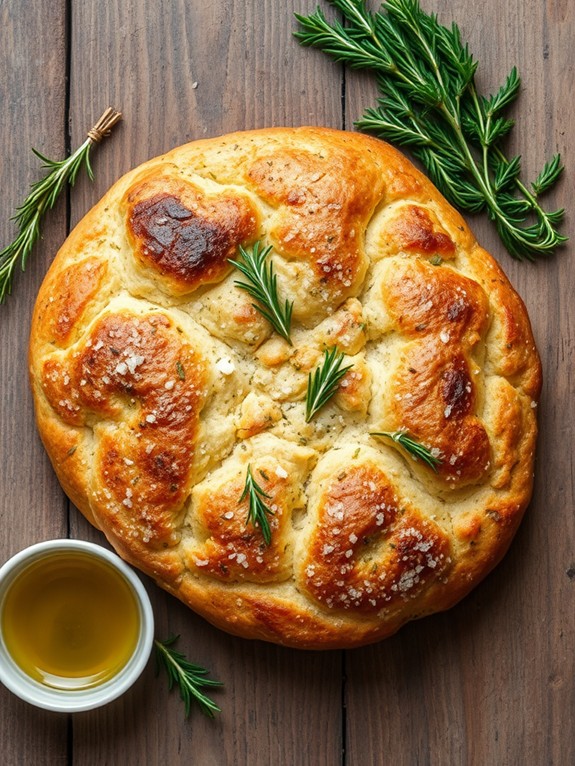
{"x": 141, "y": 389}
{"x": 444, "y": 316}
{"x": 370, "y": 548}
{"x": 158, "y": 386}
{"x": 66, "y": 298}
{"x": 415, "y": 230}
{"x": 319, "y": 221}
{"x": 185, "y": 234}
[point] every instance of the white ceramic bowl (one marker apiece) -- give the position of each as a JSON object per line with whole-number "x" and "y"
{"x": 69, "y": 701}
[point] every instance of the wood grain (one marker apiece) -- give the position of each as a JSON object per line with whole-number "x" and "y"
{"x": 491, "y": 681}
{"x": 32, "y": 507}
{"x": 248, "y": 73}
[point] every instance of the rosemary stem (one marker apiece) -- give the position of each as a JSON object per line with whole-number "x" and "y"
{"x": 483, "y": 129}
{"x": 353, "y": 12}
{"x": 170, "y": 660}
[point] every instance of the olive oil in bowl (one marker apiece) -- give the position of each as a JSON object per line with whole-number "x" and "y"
{"x": 76, "y": 625}
{"x": 70, "y": 621}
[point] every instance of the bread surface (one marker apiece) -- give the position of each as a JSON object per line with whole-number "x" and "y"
{"x": 157, "y": 384}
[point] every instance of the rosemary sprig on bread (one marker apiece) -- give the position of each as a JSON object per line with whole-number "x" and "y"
{"x": 258, "y": 510}
{"x": 43, "y": 195}
{"x": 415, "y": 448}
{"x": 262, "y": 286}
{"x": 429, "y": 102}
{"x": 324, "y": 381}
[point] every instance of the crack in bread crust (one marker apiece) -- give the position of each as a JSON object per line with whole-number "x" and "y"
{"x": 157, "y": 383}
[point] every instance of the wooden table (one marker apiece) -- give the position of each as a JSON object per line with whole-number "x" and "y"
{"x": 489, "y": 683}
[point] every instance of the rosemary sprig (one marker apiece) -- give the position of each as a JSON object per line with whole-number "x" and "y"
{"x": 258, "y": 511}
{"x": 430, "y": 103}
{"x": 191, "y": 679}
{"x": 323, "y": 381}
{"x": 43, "y": 195}
{"x": 411, "y": 445}
{"x": 262, "y": 286}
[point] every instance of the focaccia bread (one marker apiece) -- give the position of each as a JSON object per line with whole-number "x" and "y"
{"x": 158, "y": 384}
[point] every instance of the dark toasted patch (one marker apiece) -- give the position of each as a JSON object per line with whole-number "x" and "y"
{"x": 415, "y": 232}
{"x": 185, "y": 235}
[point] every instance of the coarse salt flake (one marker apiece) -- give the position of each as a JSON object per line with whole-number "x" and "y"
{"x": 133, "y": 362}
{"x": 225, "y": 365}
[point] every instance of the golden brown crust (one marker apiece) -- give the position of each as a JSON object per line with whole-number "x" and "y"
{"x": 157, "y": 384}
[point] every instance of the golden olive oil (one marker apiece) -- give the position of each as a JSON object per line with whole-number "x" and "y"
{"x": 70, "y": 621}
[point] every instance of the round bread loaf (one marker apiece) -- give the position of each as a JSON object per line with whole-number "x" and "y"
{"x": 158, "y": 385}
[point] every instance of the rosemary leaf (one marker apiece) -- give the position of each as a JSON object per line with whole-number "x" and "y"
{"x": 430, "y": 103}
{"x": 180, "y": 370}
{"x": 190, "y": 679}
{"x": 323, "y": 382}
{"x": 42, "y": 197}
{"x": 262, "y": 286}
{"x": 258, "y": 511}
{"x": 548, "y": 175}
{"x": 411, "y": 445}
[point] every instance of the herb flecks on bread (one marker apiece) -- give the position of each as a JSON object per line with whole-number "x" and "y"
{"x": 160, "y": 386}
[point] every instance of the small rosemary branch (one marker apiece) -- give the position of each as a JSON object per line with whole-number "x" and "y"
{"x": 430, "y": 103}
{"x": 411, "y": 445}
{"x": 262, "y": 286}
{"x": 258, "y": 511}
{"x": 43, "y": 195}
{"x": 191, "y": 679}
{"x": 323, "y": 381}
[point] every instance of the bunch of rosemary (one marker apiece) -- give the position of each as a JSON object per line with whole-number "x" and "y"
{"x": 429, "y": 102}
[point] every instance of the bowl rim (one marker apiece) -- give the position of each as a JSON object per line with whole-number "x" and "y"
{"x": 70, "y": 701}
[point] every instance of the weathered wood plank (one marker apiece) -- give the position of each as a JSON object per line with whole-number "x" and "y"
{"x": 32, "y": 507}
{"x": 279, "y": 706}
{"x": 489, "y": 682}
